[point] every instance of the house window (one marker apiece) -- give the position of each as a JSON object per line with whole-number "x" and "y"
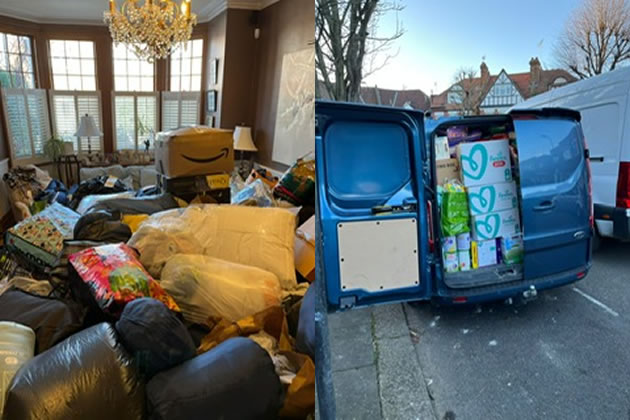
{"x": 67, "y": 109}
{"x": 16, "y": 62}
{"x": 130, "y": 72}
{"x": 135, "y": 119}
{"x": 186, "y": 67}
{"x": 72, "y": 64}
{"x": 558, "y": 81}
{"x": 27, "y": 122}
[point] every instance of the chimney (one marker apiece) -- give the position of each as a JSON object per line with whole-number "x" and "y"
{"x": 485, "y": 74}
{"x": 535, "y": 71}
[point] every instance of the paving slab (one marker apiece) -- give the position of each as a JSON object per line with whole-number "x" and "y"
{"x": 356, "y": 394}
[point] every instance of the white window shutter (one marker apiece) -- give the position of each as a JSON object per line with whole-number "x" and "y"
{"x": 180, "y": 109}
{"x": 28, "y": 122}
{"x": 135, "y": 115}
{"x": 90, "y": 104}
{"x": 190, "y": 107}
{"x": 67, "y": 108}
{"x": 39, "y": 119}
{"x": 170, "y": 110}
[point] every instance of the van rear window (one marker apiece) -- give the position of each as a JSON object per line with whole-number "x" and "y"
{"x": 366, "y": 161}
{"x": 550, "y": 151}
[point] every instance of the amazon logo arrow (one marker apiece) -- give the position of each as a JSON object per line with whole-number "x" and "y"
{"x": 225, "y": 152}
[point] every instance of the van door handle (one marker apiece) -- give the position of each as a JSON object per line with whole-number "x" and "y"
{"x": 545, "y": 205}
{"x": 596, "y": 158}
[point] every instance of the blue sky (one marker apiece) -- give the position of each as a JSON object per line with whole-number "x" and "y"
{"x": 443, "y": 35}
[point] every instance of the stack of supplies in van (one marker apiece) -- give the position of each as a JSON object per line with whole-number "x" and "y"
{"x": 480, "y": 169}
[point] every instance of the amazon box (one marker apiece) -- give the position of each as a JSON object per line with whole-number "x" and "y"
{"x": 194, "y": 151}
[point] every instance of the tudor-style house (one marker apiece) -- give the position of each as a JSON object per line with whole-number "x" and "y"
{"x": 496, "y": 94}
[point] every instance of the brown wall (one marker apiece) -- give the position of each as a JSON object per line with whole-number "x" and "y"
{"x": 285, "y": 27}
{"x": 239, "y": 85}
{"x": 215, "y": 49}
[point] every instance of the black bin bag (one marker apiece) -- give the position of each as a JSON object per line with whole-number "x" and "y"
{"x": 305, "y": 340}
{"x": 87, "y": 376}
{"x": 235, "y": 380}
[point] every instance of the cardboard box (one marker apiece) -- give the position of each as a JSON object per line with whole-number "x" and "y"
{"x": 447, "y": 169}
{"x": 504, "y": 223}
{"x": 194, "y": 151}
{"x": 484, "y": 253}
{"x": 492, "y": 198}
{"x": 442, "y": 150}
{"x": 512, "y": 249}
{"x": 485, "y": 162}
{"x": 215, "y": 188}
{"x": 304, "y": 250}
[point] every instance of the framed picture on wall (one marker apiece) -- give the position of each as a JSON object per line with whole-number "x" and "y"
{"x": 211, "y": 101}
{"x": 214, "y": 71}
{"x": 210, "y": 121}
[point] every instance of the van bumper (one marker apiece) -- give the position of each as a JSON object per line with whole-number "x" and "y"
{"x": 620, "y": 218}
{"x": 504, "y": 291}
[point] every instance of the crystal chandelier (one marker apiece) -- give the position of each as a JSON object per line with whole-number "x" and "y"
{"x": 154, "y": 29}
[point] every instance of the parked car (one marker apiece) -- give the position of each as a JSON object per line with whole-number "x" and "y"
{"x": 378, "y": 215}
{"x": 603, "y": 103}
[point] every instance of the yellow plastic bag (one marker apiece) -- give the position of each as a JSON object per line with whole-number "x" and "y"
{"x": 300, "y": 398}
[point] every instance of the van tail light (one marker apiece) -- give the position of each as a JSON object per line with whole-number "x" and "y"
{"x": 623, "y": 185}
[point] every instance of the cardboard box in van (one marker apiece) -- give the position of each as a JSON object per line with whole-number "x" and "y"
{"x": 447, "y": 169}
{"x": 485, "y": 162}
{"x": 491, "y": 198}
{"x": 499, "y": 224}
{"x": 194, "y": 151}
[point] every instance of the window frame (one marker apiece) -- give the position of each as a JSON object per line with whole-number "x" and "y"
{"x": 33, "y": 56}
{"x": 76, "y": 93}
{"x": 135, "y": 95}
{"x": 35, "y": 158}
{"x": 94, "y": 58}
{"x": 114, "y": 75}
{"x": 203, "y": 66}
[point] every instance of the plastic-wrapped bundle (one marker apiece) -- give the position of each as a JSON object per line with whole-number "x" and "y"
{"x": 235, "y": 380}
{"x": 254, "y": 236}
{"x": 255, "y": 194}
{"x": 88, "y": 376}
{"x": 154, "y": 335}
{"x": 206, "y": 286}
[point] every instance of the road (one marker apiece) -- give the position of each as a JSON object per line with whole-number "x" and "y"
{"x": 564, "y": 356}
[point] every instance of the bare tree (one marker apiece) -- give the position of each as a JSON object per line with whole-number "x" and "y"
{"x": 466, "y": 91}
{"x": 596, "y": 38}
{"x": 347, "y": 48}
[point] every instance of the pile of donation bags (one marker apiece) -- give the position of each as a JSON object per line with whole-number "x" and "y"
{"x": 168, "y": 312}
{"x": 478, "y": 199}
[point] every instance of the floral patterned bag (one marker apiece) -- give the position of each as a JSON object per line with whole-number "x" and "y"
{"x": 115, "y": 277}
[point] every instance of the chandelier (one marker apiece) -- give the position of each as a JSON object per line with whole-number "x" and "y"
{"x": 154, "y": 29}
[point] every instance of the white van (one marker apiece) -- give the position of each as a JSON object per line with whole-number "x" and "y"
{"x": 603, "y": 102}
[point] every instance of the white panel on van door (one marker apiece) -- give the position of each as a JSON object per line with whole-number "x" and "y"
{"x": 603, "y": 128}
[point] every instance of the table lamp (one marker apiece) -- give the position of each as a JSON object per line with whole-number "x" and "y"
{"x": 243, "y": 143}
{"x": 87, "y": 128}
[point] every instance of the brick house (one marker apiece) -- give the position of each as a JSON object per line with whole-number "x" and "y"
{"x": 496, "y": 94}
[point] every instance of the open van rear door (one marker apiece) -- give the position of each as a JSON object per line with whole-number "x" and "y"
{"x": 371, "y": 167}
{"x": 555, "y": 189}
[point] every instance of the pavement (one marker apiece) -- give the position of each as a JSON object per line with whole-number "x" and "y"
{"x": 562, "y": 356}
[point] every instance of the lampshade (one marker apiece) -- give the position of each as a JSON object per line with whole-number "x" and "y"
{"x": 87, "y": 127}
{"x": 243, "y": 139}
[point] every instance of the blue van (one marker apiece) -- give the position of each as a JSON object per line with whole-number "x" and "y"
{"x": 378, "y": 218}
